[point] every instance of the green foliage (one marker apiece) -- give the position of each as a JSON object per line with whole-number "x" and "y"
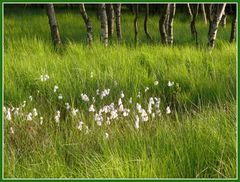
{"x": 197, "y": 140}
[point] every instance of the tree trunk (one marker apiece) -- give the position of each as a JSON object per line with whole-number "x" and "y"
{"x": 104, "y": 24}
{"x": 110, "y": 17}
{"x": 204, "y": 13}
{"x": 208, "y": 10}
{"x": 53, "y": 25}
{"x": 135, "y": 22}
{"x": 117, "y": 11}
{"x": 172, "y": 10}
{"x": 194, "y": 9}
{"x": 145, "y": 22}
{"x": 189, "y": 10}
{"x": 217, "y": 15}
{"x": 162, "y": 21}
{"x": 224, "y": 20}
{"x": 87, "y": 23}
{"x": 233, "y": 30}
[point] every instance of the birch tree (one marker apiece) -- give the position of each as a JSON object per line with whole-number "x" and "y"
{"x": 87, "y": 23}
{"x": 117, "y": 11}
{"x": 224, "y": 19}
{"x": 171, "y": 14}
{"x": 233, "y": 29}
{"x": 204, "y": 13}
{"x": 216, "y": 13}
{"x": 110, "y": 19}
{"x": 162, "y": 21}
{"x": 53, "y": 25}
{"x": 145, "y": 22}
{"x": 135, "y": 22}
{"x": 104, "y": 24}
{"x": 194, "y": 10}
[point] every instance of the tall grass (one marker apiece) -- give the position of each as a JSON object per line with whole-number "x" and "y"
{"x": 198, "y": 139}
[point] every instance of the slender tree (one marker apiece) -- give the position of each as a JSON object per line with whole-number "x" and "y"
{"x": 104, "y": 24}
{"x": 110, "y": 18}
{"x": 145, "y": 22}
{"x": 162, "y": 20}
{"x": 53, "y": 25}
{"x": 135, "y": 22}
{"x": 189, "y": 9}
{"x": 87, "y": 23}
{"x": 171, "y": 14}
{"x": 194, "y": 10}
{"x": 204, "y": 13}
{"x": 215, "y": 18}
{"x": 233, "y": 30}
{"x": 223, "y": 21}
{"x": 117, "y": 11}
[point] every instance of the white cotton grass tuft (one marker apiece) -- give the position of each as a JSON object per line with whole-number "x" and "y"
{"x": 108, "y": 122}
{"x": 16, "y": 112}
{"x": 126, "y": 112}
{"x": 24, "y": 103}
{"x": 136, "y": 122}
{"x": 74, "y": 111}
{"x": 150, "y": 103}
{"x": 114, "y": 114}
{"x": 106, "y": 135}
{"x": 44, "y": 77}
{"x": 67, "y": 106}
{"x": 84, "y": 97}
{"x": 35, "y": 113}
{"x": 57, "y": 117}
{"x": 146, "y": 89}
{"x": 168, "y": 110}
{"x": 144, "y": 115}
{"x": 105, "y": 93}
{"x": 98, "y": 118}
{"x": 122, "y": 94}
{"x": 60, "y": 97}
{"x": 156, "y": 83}
{"x": 91, "y": 108}
{"x": 41, "y": 120}
{"x": 80, "y": 125}
{"x": 170, "y": 84}
{"x": 97, "y": 92}
{"x": 29, "y": 116}
{"x": 8, "y": 115}
{"x": 55, "y": 88}
{"x": 11, "y": 130}
{"x": 130, "y": 100}
{"x": 30, "y": 98}
{"x": 139, "y": 95}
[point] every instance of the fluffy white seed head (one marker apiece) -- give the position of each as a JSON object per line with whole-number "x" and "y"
{"x": 156, "y": 83}
{"x": 29, "y": 117}
{"x": 55, "y": 88}
{"x": 168, "y": 110}
{"x": 170, "y": 84}
{"x": 91, "y": 108}
{"x": 85, "y": 97}
{"x": 60, "y": 97}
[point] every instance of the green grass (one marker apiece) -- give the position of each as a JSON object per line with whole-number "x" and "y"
{"x": 198, "y": 139}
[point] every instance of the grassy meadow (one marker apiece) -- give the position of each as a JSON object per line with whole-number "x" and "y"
{"x": 196, "y": 139}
